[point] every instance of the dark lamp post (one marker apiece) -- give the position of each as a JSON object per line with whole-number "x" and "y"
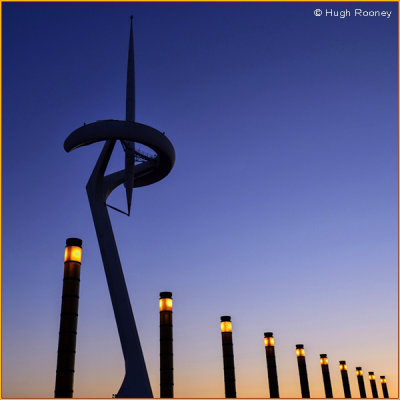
{"x": 345, "y": 379}
{"x": 325, "y": 375}
{"x": 269, "y": 344}
{"x": 68, "y": 320}
{"x": 228, "y": 358}
{"x": 301, "y": 362}
{"x": 384, "y": 387}
{"x": 360, "y": 380}
{"x": 372, "y": 381}
{"x": 166, "y": 346}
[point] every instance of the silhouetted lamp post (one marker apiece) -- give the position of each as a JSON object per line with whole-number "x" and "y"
{"x": 166, "y": 350}
{"x": 229, "y": 362}
{"x": 345, "y": 379}
{"x": 384, "y": 387}
{"x": 269, "y": 344}
{"x": 301, "y": 362}
{"x": 360, "y": 379}
{"x": 69, "y": 319}
{"x": 326, "y": 376}
{"x": 373, "y": 385}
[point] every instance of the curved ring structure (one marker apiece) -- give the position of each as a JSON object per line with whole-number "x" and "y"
{"x": 133, "y": 132}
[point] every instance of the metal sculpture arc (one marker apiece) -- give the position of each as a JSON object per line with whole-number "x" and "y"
{"x": 150, "y": 171}
{"x": 136, "y": 382}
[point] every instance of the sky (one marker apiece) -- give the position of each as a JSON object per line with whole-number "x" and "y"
{"x": 281, "y": 208}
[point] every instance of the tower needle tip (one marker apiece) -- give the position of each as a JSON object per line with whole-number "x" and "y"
{"x": 131, "y": 17}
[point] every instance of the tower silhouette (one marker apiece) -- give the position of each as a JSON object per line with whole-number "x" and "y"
{"x": 140, "y": 170}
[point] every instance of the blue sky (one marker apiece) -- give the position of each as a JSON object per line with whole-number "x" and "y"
{"x": 280, "y": 210}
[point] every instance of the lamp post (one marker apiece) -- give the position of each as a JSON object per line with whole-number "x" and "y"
{"x": 360, "y": 380}
{"x": 345, "y": 379}
{"x": 301, "y": 362}
{"x": 326, "y": 376}
{"x": 269, "y": 344}
{"x": 227, "y": 352}
{"x": 166, "y": 350}
{"x": 374, "y": 390}
{"x": 384, "y": 387}
{"x": 69, "y": 319}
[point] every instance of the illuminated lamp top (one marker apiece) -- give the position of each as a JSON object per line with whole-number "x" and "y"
{"x": 300, "y": 350}
{"x": 269, "y": 339}
{"x": 323, "y": 359}
{"x": 226, "y": 324}
{"x": 371, "y": 376}
{"x": 166, "y": 301}
{"x": 73, "y": 250}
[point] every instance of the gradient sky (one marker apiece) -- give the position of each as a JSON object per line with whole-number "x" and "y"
{"x": 280, "y": 210}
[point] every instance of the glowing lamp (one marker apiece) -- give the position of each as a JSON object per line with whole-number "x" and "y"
{"x": 269, "y": 339}
{"x": 226, "y": 324}
{"x": 73, "y": 250}
{"x": 342, "y": 365}
{"x": 323, "y": 359}
{"x": 165, "y": 301}
{"x": 383, "y": 379}
{"x": 300, "y": 350}
{"x": 371, "y": 376}
{"x": 359, "y": 371}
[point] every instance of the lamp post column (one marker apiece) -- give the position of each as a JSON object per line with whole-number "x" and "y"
{"x": 69, "y": 319}
{"x": 345, "y": 379}
{"x": 227, "y": 353}
{"x": 326, "y": 376}
{"x": 269, "y": 344}
{"x": 360, "y": 380}
{"x": 166, "y": 350}
{"x": 301, "y": 362}
{"x": 384, "y": 387}
{"x": 374, "y": 390}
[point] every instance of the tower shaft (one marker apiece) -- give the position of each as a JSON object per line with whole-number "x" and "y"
{"x": 130, "y": 81}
